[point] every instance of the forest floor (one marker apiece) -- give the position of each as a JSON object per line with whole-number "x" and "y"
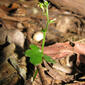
{"x": 20, "y": 21}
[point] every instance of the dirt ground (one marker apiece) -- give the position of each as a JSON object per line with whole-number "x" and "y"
{"x": 20, "y": 21}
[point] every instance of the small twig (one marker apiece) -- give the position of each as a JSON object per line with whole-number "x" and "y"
{"x": 42, "y": 75}
{"x": 18, "y": 19}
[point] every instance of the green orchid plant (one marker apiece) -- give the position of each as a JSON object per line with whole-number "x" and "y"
{"x": 35, "y": 53}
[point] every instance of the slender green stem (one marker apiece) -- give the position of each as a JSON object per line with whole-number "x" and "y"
{"x": 44, "y": 33}
{"x": 43, "y": 42}
{"x": 47, "y": 14}
{"x": 35, "y": 74}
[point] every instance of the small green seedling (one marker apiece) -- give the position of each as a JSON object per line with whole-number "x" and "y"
{"x": 35, "y": 53}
